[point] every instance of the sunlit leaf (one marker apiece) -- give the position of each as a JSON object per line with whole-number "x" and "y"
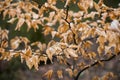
{"x": 20, "y": 23}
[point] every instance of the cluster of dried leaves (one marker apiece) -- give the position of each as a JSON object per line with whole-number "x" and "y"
{"x": 77, "y": 33}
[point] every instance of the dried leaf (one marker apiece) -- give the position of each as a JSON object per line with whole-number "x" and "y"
{"x": 50, "y": 52}
{"x": 15, "y": 43}
{"x": 20, "y": 23}
{"x": 47, "y": 30}
{"x": 29, "y": 63}
{"x": 54, "y": 33}
{"x": 63, "y": 28}
{"x": 12, "y": 20}
{"x": 72, "y": 52}
{"x": 59, "y": 73}
{"x": 4, "y": 34}
{"x": 28, "y": 24}
{"x": 35, "y": 61}
{"x": 48, "y": 74}
{"x": 115, "y": 26}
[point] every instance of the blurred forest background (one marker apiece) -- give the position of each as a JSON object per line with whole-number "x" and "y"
{"x": 15, "y": 70}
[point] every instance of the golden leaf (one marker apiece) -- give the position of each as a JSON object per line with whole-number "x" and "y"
{"x": 34, "y": 25}
{"x": 100, "y": 50}
{"x": 29, "y": 63}
{"x": 73, "y": 46}
{"x": 101, "y": 40}
{"x": 59, "y": 73}
{"x": 115, "y": 26}
{"x": 92, "y": 55}
{"x": 2, "y": 50}
{"x": 28, "y": 24}
{"x": 54, "y": 33}
{"x": 51, "y": 43}
{"x": 5, "y": 13}
{"x": 96, "y": 6}
{"x": 12, "y": 20}
{"x": 4, "y": 44}
{"x": 20, "y": 23}
{"x": 15, "y": 43}
{"x": 85, "y": 4}
{"x": 88, "y": 44}
{"x": 28, "y": 52}
{"x": 47, "y": 30}
{"x": 66, "y": 53}
{"x": 35, "y": 61}
{"x": 63, "y": 28}
{"x": 35, "y": 16}
{"x": 4, "y": 34}
{"x": 53, "y": 2}
{"x": 81, "y": 7}
{"x": 25, "y": 40}
{"x": 100, "y": 3}
{"x": 12, "y": 13}
{"x": 50, "y": 51}
{"x": 48, "y": 74}
{"x": 71, "y": 52}
{"x": 75, "y": 72}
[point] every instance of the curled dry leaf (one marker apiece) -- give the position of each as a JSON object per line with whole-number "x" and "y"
{"x": 47, "y": 30}
{"x": 4, "y": 34}
{"x": 12, "y": 20}
{"x": 20, "y": 23}
{"x": 29, "y": 63}
{"x": 4, "y": 44}
{"x": 48, "y": 74}
{"x": 15, "y": 43}
{"x": 115, "y": 26}
{"x": 71, "y": 52}
{"x": 54, "y": 33}
{"x": 60, "y": 74}
{"x": 50, "y": 52}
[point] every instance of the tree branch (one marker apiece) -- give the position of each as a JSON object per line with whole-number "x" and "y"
{"x": 95, "y": 63}
{"x": 67, "y": 9}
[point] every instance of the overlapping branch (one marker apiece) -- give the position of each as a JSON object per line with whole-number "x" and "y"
{"x": 95, "y": 63}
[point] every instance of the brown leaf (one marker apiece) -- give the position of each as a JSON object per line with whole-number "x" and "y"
{"x": 71, "y": 52}
{"x": 48, "y": 74}
{"x": 15, "y": 43}
{"x": 35, "y": 61}
{"x": 59, "y": 73}
{"x": 47, "y": 30}
{"x": 12, "y": 20}
{"x": 20, "y": 23}
{"x": 63, "y": 28}
{"x": 29, "y": 63}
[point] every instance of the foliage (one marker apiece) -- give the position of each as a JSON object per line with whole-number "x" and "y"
{"x": 73, "y": 34}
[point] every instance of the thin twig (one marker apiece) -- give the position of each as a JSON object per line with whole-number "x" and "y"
{"x": 67, "y": 9}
